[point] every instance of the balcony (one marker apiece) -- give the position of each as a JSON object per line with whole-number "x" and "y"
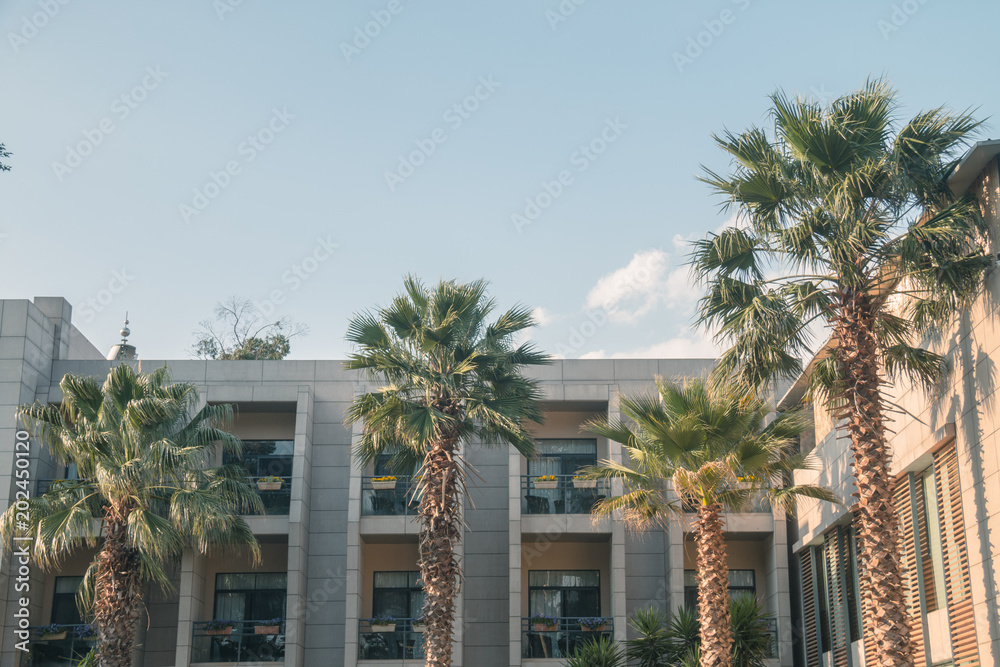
{"x": 563, "y": 495}
{"x": 561, "y": 640}
{"x": 277, "y": 498}
{"x": 401, "y": 643}
{"x": 244, "y": 641}
{"x": 62, "y": 649}
{"x": 388, "y": 498}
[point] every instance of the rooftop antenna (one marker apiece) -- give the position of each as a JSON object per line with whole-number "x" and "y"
{"x": 123, "y": 351}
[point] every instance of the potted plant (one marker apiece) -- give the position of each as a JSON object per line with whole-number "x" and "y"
{"x": 543, "y": 623}
{"x": 581, "y": 483}
{"x": 546, "y": 482}
{"x": 269, "y": 627}
{"x": 218, "y": 627}
{"x": 387, "y": 482}
{"x": 595, "y": 624}
{"x": 383, "y": 624}
{"x": 52, "y": 632}
{"x": 86, "y": 632}
{"x": 269, "y": 483}
{"x": 419, "y": 624}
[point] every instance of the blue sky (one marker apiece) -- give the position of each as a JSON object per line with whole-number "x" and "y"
{"x": 168, "y": 155}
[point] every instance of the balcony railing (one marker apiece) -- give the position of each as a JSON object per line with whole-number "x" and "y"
{"x": 564, "y": 495}
{"x": 772, "y": 630}
{"x": 559, "y": 641}
{"x": 245, "y": 641}
{"x": 760, "y": 505}
{"x": 400, "y": 643}
{"x": 62, "y": 649}
{"x": 276, "y": 500}
{"x": 388, "y": 498}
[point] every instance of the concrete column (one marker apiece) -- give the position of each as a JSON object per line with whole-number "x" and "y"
{"x": 618, "y": 598}
{"x": 355, "y": 554}
{"x": 192, "y": 604}
{"x": 778, "y": 591}
{"x": 514, "y": 570}
{"x": 298, "y": 532}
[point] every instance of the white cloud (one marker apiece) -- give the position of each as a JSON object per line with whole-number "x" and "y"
{"x": 692, "y": 346}
{"x": 647, "y": 281}
{"x": 542, "y": 316}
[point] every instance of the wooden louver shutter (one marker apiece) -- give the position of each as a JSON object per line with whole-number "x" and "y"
{"x": 809, "y": 609}
{"x": 835, "y": 585}
{"x": 958, "y": 585}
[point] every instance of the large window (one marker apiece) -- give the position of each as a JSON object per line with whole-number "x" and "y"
{"x": 398, "y": 594}
{"x": 741, "y": 582}
{"x": 562, "y": 457}
{"x": 250, "y": 596}
{"x": 64, "y": 610}
{"x": 265, "y": 458}
{"x": 564, "y": 593}
{"x": 931, "y": 560}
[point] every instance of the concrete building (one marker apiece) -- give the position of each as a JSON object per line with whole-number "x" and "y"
{"x": 339, "y": 544}
{"x": 946, "y": 446}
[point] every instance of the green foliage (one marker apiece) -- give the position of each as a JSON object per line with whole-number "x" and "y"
{"x": 841, "y": 202}
{"x": 712, "y": 441}
{"x": 598, "y": 652}
{"x": 240, "y": 332}
{"x": 751, "y": 639}
{"x": 4, "y": 153}
{"x": 433, "y": 348}
{"x": 143, "y": 450}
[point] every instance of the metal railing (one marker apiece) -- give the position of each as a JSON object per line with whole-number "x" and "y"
{"x": 244, "y": 641}
{"x": 276, "y": 500}
{"x": 772, "y": 630}
{"x": 564, "y": 495}
{"x": 396, "y": 498}
{"x": 61, "y": 649}
{"x": 760, "y": 505}
{"x": 560, "y": 640}
{"x": 402, "y": 642}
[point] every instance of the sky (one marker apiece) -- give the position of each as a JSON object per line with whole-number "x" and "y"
{"x": 308, "y": 155}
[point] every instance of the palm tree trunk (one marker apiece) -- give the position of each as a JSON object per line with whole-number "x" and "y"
{"x": 440, "y": 531}
{"x": 713, "y": 588}
{"x": 886, "y": 626}
{"x": 117, "y": 599}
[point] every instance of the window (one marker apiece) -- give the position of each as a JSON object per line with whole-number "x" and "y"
{"x": 931, "y": 559}
{"x": 562, "y": 457}
{"x": 64, "y": 611}
{"x": 741, "y": 582}
{"x": 250, "y": 596}
{"x": 265, "y": 458}
{"x": 853, "y": 584}
{"x": 824, "y": 596}
{"x": 564, "y": 593}
{"x": 398, "y": 594}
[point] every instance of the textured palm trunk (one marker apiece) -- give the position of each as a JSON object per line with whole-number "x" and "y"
{"x": 117, "y": 599}
{"x": 713, "y": 588}
{"x": 886, "y": 625}
{"x": 440, "y": 531}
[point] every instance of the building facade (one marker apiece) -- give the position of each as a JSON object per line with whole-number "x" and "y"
{"x": 339, "y": 542}
{"x": 945, "y": 458}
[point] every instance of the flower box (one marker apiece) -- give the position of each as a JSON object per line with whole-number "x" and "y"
{"x": 53, "y": 636}
{"x": 596, "y": 628}
{"x": 220, "y": 632}
{"x": 384, "y": 628}
{"x": 384, "y": 486}
{"x": 419, "y": 627}
{"x": 585, "y": 483}
{"x": 547, "y": 484}
{"x": 265, "y": 629}
{"x": 269, "y": 486}
{"x": 542, "y": 627}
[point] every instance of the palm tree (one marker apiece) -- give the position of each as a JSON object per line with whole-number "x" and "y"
{"x": 847, "y": 222}
{"x": 146, "y": 490}
{"x": 449, "y": 377}
{"x": 709, "y": 440}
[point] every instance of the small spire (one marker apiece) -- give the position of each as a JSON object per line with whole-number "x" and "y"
{"x": 123, "y": 351}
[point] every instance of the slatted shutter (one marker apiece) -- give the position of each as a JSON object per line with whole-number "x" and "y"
{"x": 958, "y": 585}
{"x": 909, "y": 563}
{"x": 809, "y": 609}
{"x": 835, "y": 585}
